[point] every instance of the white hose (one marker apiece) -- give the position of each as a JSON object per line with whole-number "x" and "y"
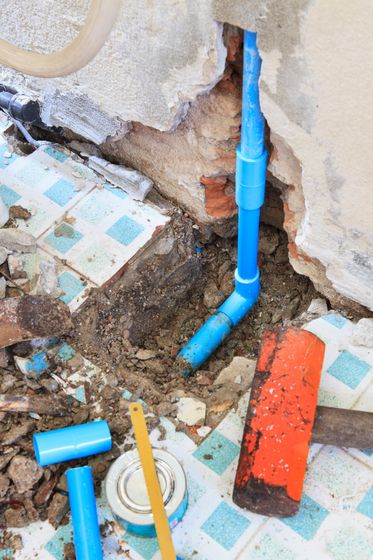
{"x": 100, "y": 20}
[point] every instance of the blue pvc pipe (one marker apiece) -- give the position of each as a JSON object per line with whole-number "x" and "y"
{"x": 72, "y": 443}
{"x": 252, "y": 126}
{"x": 250, "y": 184}
{"x": 84, "y": 514}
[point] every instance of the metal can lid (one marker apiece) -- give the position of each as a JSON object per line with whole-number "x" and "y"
{"x": 126, "y": 489}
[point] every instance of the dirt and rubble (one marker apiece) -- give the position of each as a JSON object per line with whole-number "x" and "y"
{"x": 145, "y": 368}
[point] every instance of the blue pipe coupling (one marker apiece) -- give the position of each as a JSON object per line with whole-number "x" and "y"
{"x": 72, "y": 443}
{"x": 84, "y": 514}
{"x": 250, "y": 180}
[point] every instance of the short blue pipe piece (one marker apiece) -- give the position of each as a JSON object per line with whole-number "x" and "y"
{"x": 72, "y": 443}
{"x": 84, "y": 514}
{"x": 250, "y": 184}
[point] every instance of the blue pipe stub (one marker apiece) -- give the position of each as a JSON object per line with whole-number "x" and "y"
{"x": 72, "y": 443}
{"x": 84, "y": 514}
{"x": 201, "y": 346}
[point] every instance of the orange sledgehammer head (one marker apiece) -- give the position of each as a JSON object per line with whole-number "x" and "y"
{"x": 279, "y": 423}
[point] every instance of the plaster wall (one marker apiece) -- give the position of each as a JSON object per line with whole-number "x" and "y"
{"x": 315, "y": 90}
{"x": 160, "y": 55}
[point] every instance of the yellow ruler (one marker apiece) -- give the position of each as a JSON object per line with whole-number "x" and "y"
{"x": 152, "y": 485}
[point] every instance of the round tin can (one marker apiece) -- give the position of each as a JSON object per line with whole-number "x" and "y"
{"x": 127, "y": 496}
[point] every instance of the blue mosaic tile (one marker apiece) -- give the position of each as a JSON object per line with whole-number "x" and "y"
{"x": 190, "y": 553}
{"x": 84, "y": 171}
{"x": 35, "y": 222}
{"x": 95, "y": 259}
{"x": 65, "y": 239}
{"x": 56, "y": 154}
{"x": 61, "y": 192}
{"x": 350, "y": 545}
{"x": 9, "y": 196}
{"x": 337, "y": 474}
{"x": 217, "y": 452}
{"x": 271, "y": 549}
{"x": 116, "y": 191}
{"x": 366, "y": 505}
{"x": 349, "y": 369}
{"x": 225, "y": 525}
{"x": 309, "y": 519}
{"x": 70, "y": 286}
{"x": 56, "y": 545}
{"x": 3, "y": 149}
{"x": 367, "y": 452}
{"x": 32, "y": 174}
{"x": 6, "y": 554}
{"x": 145, "y": 546}
{"x": 94, "y": 211}
{"x": 335, "y": 320}
{"x": 125, "y": 230}
{"x": 65, "y": 353}
{"x": 195, "y": 491}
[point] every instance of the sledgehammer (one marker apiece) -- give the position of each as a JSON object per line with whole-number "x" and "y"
{"x": 282, "y": 420}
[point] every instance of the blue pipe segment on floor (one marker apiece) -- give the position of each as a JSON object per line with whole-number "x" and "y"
{"x": 72, "y": 443}
{"x": 251, "y": 165}
{"x": 83, "y": 508}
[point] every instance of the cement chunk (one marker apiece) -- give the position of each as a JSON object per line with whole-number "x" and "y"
{"x": 58, "y": 509}
{"x": 3, "y": 255}
{"x": 131, "y": 181}
{"x": 24, "y": 473}
{"x": 363, "y": 333}
{"x": 2, "y": 287}
{"x": 240, "y": 367}
{"x": 16, "y": 263}
{"x": 318, "y": 307}
{"x": 17, "y": 240}
{"x": 145, "y": 355}
{"x": 191, "y": 411}
{"x": 48, "y": 284}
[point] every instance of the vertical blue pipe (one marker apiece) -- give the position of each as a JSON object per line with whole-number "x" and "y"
{"x": 250, "y": 183}
{"x": 252, "y": 125}
{"x": 84, "y": 514}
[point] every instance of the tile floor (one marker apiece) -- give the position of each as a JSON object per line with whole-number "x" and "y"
{"x": 336, "y": 516}
{"x": 89, "y": 227}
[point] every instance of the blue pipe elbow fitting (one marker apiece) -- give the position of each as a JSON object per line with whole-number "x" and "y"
{"x": 72, "y": 443}
{"x": 84, "y": 514}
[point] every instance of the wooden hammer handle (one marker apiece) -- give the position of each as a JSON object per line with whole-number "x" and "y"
{"x": 343, "y": 428}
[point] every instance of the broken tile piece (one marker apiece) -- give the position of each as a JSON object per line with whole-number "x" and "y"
{"x": 131, "y": 181}
{"x": 191, "y": 411}
{"x": 203, "y": 431}
{"x": 32, "y": 367}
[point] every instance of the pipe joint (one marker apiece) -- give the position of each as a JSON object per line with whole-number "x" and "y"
{"x": 242, "y": 299}
{"x": 250, "y": 180}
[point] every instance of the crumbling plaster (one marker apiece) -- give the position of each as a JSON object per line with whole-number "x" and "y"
{"x": 160, "y": 55}
{"x": 317, "y": 97}
{"x": 315, "y": 93}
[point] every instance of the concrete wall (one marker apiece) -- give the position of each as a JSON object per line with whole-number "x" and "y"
{"x": 316, "y": 95}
